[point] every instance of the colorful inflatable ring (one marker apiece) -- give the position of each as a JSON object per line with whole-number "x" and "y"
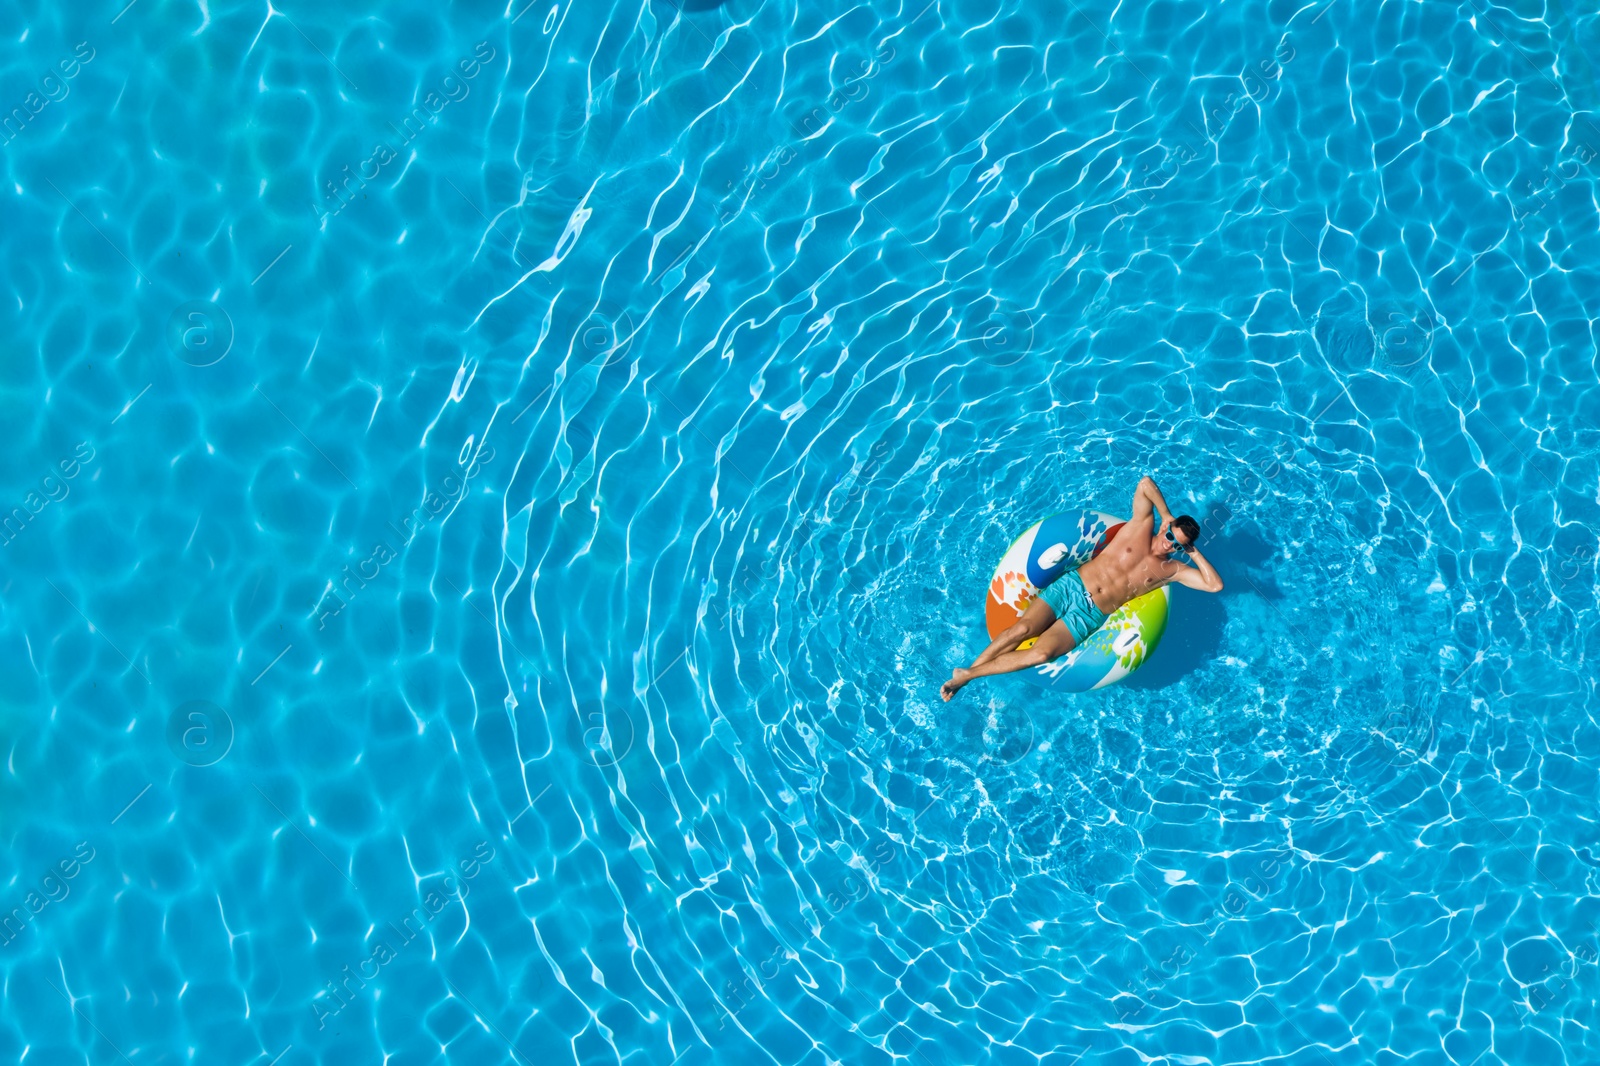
{"x": 1044, "y": 552}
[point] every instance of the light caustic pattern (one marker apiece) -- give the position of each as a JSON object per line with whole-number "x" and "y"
{"x": 491, "y": 494}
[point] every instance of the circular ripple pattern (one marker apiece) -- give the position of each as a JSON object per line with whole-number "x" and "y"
{"x": 622, "y": 410}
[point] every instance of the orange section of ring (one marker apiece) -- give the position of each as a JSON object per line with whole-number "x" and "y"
{"x": 996, "y": 615}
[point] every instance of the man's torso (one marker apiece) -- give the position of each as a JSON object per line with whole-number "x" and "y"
{"x": 1126, "y": 570}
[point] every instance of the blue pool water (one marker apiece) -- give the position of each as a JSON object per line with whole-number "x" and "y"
{"x": 493, "y": 493}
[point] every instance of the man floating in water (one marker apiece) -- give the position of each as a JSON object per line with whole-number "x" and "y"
{"x": 1077, "y": 603}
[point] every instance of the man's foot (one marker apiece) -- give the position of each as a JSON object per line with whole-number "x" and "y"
{"x": 957, "y": 679}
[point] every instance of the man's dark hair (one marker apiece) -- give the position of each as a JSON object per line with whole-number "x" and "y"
{"x": 1189, "y": 527}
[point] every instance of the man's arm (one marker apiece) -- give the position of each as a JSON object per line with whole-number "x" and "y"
{"x": 1147, "y": 497}
{"x": 1202, "y": 577}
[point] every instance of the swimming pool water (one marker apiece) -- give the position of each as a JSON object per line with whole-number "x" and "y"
{"x": 513, "y": 479}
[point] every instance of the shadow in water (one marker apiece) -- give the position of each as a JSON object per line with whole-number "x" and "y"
{"x": 1194, "y": 628}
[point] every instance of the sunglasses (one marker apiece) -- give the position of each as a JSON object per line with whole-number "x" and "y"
{"x": 1174, "y": 541}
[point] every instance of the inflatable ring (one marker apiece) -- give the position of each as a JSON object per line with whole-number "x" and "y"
{"x": 1045, "y": 551}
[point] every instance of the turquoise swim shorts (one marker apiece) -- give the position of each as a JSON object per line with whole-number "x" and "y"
{"x": 1071, "y": 602}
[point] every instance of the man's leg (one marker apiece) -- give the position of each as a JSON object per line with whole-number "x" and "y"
{"x": 1053, "y": 643}
{"x": 1034, "y": 621}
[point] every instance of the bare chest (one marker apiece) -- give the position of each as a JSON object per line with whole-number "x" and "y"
{"x": 1123, "y": 572}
